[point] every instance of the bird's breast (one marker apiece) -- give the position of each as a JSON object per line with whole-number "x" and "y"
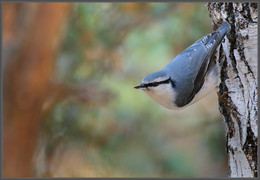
{"x": 164, "y": 95}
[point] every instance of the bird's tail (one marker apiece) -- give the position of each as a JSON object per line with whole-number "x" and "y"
{"x": 215, "y": 39}
{"x": 217, "y": 36}
{"x": 223, "y": 30}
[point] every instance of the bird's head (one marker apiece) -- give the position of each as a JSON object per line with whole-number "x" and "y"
{"x": 159, "y": 87}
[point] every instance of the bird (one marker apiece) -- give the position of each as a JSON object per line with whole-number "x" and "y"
{"x": 190, "y": 76}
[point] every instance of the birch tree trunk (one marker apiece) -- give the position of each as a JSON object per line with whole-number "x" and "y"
{"x": 238, "y": 86}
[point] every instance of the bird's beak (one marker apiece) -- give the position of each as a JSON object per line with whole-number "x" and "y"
{"x": 140, "y": 86}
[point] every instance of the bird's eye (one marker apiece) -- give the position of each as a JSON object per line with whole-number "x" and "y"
{"x": 155, "y": 84}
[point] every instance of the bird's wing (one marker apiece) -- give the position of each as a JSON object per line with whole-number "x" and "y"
{"x": 197, "y": 58}
{"x": 210, "y": 44}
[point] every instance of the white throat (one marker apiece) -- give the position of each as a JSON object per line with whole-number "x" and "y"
{"x": 163, "y": 94}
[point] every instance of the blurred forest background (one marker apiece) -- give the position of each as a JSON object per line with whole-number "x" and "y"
{"x": 70, "y": 109}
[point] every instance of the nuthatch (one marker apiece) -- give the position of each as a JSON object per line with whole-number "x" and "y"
{"x": 190, "y": 76}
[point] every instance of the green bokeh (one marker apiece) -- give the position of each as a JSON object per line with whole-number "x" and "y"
{"x": 115, "y": 48}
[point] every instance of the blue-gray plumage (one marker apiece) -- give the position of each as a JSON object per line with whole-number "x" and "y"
{"x": 190, "y": 76}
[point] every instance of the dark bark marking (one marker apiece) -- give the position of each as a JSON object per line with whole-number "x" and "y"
{"x": 233, "y": 45}
{"x": 250, "y": 149}
{"x": 224, "y": 102}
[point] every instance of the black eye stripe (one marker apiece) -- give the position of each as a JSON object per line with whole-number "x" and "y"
{"x": 154, "y": 84}
{"x": 172, "y": 83}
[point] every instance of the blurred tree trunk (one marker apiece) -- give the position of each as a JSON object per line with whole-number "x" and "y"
{"x": 238, "y": 87}
{"x": 31, "y": 34}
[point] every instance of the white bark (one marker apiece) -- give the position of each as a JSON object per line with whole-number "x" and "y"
{"x": 238, "y": 87}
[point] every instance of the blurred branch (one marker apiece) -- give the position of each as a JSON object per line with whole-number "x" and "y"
{"x": 90, "y": 94}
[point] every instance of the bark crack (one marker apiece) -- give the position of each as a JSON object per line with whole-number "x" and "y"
{"x": 233, "y": 45}
{"x": 250, "y": 149}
